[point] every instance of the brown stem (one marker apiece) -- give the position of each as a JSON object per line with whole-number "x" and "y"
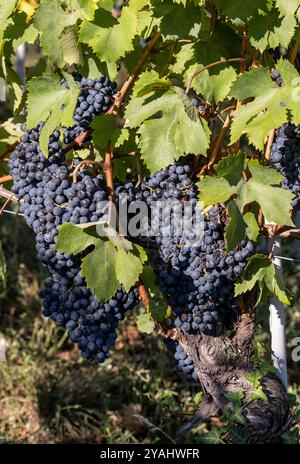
{"x": 196, "y": 73}
{"x": 109, "y": 173}
{"x": 4, "y": 193}
{"x": 220, "y": 139}
{"x": 271, "y": 136}
{"x": 81, "y": 165}
{"x": 143, "y": 293}
{"x": 134, "y": 75}
{"x": 5, "y": 179}
{"x": 5, "y": 204}
{"x": 79, "y": 141}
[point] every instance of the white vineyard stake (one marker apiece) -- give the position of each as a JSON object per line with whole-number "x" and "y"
{"x": 277, "y": 322}
{"x": 20, "y": 62}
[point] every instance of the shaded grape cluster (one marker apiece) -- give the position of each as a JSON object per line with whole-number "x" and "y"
{"x": 96, "y": 97}
{"x": 182, "y": 361}
{"x": 194, "y": 271}
{"x": 50, "y": 198}
{"x": 285, "y": 156}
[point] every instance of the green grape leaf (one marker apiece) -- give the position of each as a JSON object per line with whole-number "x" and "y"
{"x": 252, "y": 228}
{"x": 70, "y": 47}
{"x": 268, "y": 30}
{"x": 105, "y": 129}
{"x": 267, "y": 196}
{"x": 287, "y": 7}
{"x": 150, "y": 81}
{"x": 145, "y": 324}
{"x": 73, "y": 239}
{"x": 254, "y": 272}
{"x": 29, "y": 36}
{"x": 50, "y": 20}
{"x": 264, "y": 174}
{"x": 7, "y": 7}
{"x": 98, "y": 269}
{"x": 165, "y": 138}
{"x": 85, "y": 8}
{"x": 271, "y": 107}
{"x": 231, "y": 168}
{"x": 2, "y": 270}
{"x": 116, "y": 35}
{"x": 128, "y": 268}
{"x": 239, "y": 9}
{"x": 46, "y": 98}
{"x": 176, "y": 21}
{"x": 10, "y": 133}
{"x": 275, "y": 285}
{"x": 215, "y": 87}
{"x": 236, "y": 229}
{"x": 215, "y": 190}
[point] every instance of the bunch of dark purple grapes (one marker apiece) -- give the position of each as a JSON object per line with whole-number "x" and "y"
{"x": 49, "y": 198}
{"x": 285, "y": 156}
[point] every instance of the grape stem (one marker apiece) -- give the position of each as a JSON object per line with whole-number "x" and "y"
{"x": 143, "y": 292}
{"x": 81, "y": 165}
{"x": 271, "y": 136}
{"x": 5, "y": 179}
{"x": 4, "y": 193}
{"x": 211, "y": 65}
{"x": 134, "y": 75}
{"x": 214, "y": 156}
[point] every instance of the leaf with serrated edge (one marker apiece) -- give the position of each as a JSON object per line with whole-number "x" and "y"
{"x": 128, "y": 268}
{"x": 254, "y": 272}
{"x": 44, "y": 103}
{"x": 231, "y": 168}
{"x": 50, "y": 20}
{"x": 271, "y": 106}
{"x": 267, "y": 196}
{"x": 264, "y": 174}
{"x": 98, "y": 269}
{"x": 165, "y": 139}
{"x": 73, "y": 239}
{"x": 214, "y": 190}
{"x": 116, "y": 35}
{"x": 6, "y": 9}
{"x": 287, "y": 7}
{"x": 105, "y": 129}
{"x": 275, "y": 285}
{"x": 144, "y": 324}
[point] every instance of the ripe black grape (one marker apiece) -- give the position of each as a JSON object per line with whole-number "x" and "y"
{"x": 285, "y": 156}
